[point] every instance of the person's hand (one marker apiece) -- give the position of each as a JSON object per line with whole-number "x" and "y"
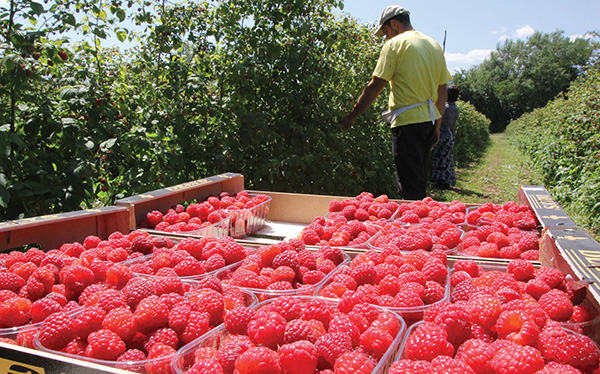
{"x": 346, "y": 121}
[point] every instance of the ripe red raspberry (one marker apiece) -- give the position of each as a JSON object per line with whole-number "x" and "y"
{"x": 137, "y": 290}
{"x": 557, "y": 305}
{"x": 151, "y": 313}
{"x": 231, "y": 348}
{"x": 167, "y": 284}
{"x": 42, "y": 308}
{"x": 477, "y": 354}
{"x": 376, "y": 341}
{"x": 310, "y": 237}
{"x": 435, "y": 270}
{"x": 426, "y": 342}
{"x": 517, "y": 359}
{"x": 297, "y": 330}
{"x": 485, "y": 309}
{"x": 236, "y": 321}
{"x": 164, "y": 336}
{"x": 299, "y": 357}
{"x": 257, "y": 360}
{"x": 410, "y": 367}
{"x": 121, "y": 321}
{"x": 364, "y": 273}
{"x": 536, "y": 287}
{"x": 578, "y": 351}
{"x": 334, "y": 254}
{"x": 233, "y": 252}
{"x": 287, "y": 258}
{"x": 56, "y": 331}
{"x": 40, "y": 282}
{"x": 205, "y": 366}
{"x": 209, "y": 301}
{"x": 213, "y": 263}
{"x": 343, "y": 324}
{"x": 133, "y": 354}
{"x": 89, "y": 320}
{"x": 463, "y": 290}
{"x": 517, "y": 326}
{"x": 451, "y": 237}
{"x": 553, "y": 367}
{"x": 198, "y": 324}
{"x": 354, "y": 362}
{"x": 15, "y": 311}
{"x": 454, "y": 318}
{"x": 449, "y": 365}
{"x": 552, "y": 276}
{"x": 118, "y": 275}
{"x": 159, "y": 359}
{"x": 154, "y": 218}
{"x": 521, "y": 270}
{"x": 529, "y": 242}
{"x": 105, "y": 345}
{"x": 469, "y": 266}
{"x": 267, "y": 328}
{"x": 332, "y": 345}
{"x": 434, "y": 292}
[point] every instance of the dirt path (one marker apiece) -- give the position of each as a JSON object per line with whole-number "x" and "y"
{"x": 496, "y": 177}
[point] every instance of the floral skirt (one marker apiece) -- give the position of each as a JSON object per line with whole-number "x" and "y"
{"x": 442, "y": 159}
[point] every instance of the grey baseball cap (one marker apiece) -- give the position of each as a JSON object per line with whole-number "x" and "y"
{"x": 389, "y": 13}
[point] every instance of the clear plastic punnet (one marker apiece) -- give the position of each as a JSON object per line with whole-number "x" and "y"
{"x": 226, "y": 275}
{"x": 248, "y": 221}
{"x": 160, "y": 364}
{"x": 186, "y": 356}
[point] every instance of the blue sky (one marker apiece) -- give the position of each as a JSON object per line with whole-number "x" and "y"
{"x": 475, "y": 27}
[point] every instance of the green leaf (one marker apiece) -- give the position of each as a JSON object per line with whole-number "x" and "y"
{"x": 4, "y": 197}
{"x": 122, "y": 35}
{"x": 36, "y": 8}
{"x": 121, "y": 15}
{"x": 108, "y": 144}
{"x": 69, "y": 19}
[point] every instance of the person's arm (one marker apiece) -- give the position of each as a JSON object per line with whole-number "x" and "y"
{"x": 441, "y": 106}
{"x": 366, "y": 99}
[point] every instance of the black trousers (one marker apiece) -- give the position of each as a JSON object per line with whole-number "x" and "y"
{"x": 411, "y": 148}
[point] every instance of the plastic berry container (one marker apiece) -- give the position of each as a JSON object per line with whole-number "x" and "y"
{"x": 402, "y": 347}
{"x": 157, "y": 365}
{"x": 409, "y": 314}
{"x": 387, "y": 237}
{"x": 225, "y": 276}
{"x": 248, "y": 221}
{"x": 185, "y": 357}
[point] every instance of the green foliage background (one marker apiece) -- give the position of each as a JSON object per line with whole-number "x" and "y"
{"x": 471, "y": 134}
{"x": 248, "y": 86}
{"x": 521, "y": 75}
{"x": 563, "y": 141}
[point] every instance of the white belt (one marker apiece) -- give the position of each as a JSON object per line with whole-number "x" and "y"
{"x": 390, "y": 115}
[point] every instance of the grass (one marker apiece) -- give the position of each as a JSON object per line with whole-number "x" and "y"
{"x": 496, "y": 177}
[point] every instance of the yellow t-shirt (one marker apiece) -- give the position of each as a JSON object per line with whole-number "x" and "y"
{"x": 415, "y": 66}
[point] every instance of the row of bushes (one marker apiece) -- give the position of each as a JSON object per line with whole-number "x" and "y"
{"x": 472, "y": 134}
{"x": 205, "y": 92}
{"x": 563, "y": 141}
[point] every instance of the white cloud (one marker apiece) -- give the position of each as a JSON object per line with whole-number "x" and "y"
{"x": 502, "y": 30}
{"x": 524, "y": 32}
{"x": 521, "y": 33}
{"x": 457, "y": 61}
{"x": 474, "y": 56}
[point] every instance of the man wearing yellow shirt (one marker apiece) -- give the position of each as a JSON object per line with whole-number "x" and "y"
{"x": 415, "y": 67}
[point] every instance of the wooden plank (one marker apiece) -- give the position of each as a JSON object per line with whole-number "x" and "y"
{"x": 50, "y": 231}
{"x": 164, "y": 198}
